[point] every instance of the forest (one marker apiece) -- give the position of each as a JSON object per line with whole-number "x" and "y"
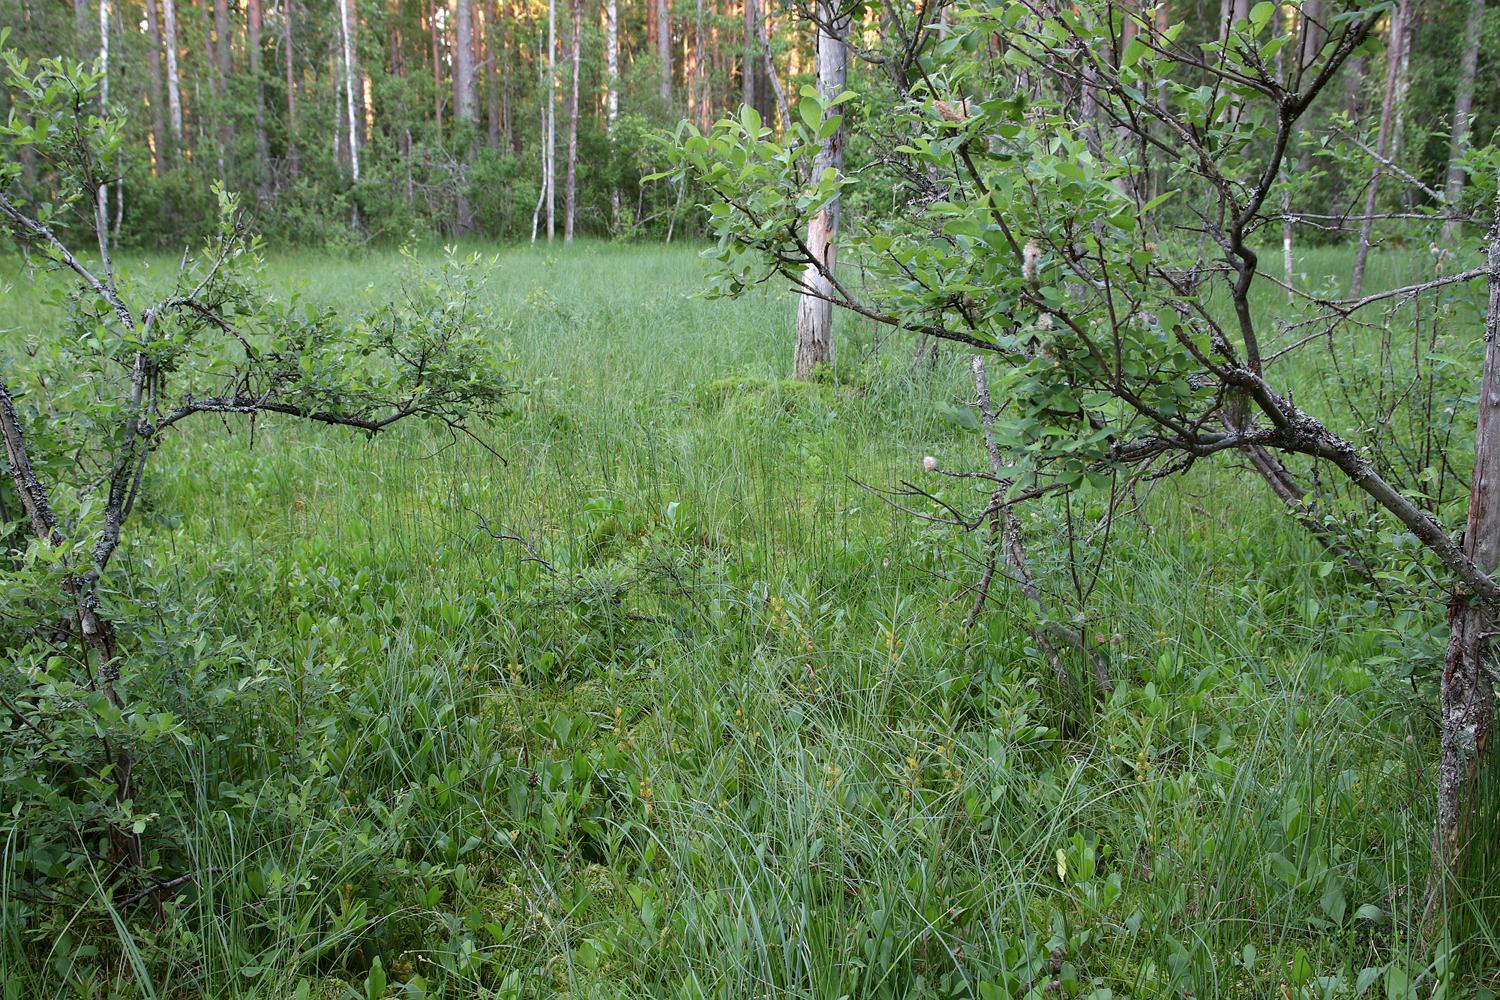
{"x": 955, "y": 499}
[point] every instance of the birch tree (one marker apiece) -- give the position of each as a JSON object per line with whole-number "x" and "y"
{"x": 612, "y": 91}
{"x": 570, "y": 190}
{"x": 465, "y": 100}
{"x": 346, "y": 37}
{"x": 815, "y": 306}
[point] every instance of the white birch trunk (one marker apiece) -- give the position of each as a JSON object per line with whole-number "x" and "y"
{"x": 346, "y": 32}
{"x": 814, "y": 310}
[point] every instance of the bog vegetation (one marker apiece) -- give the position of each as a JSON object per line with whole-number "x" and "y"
{"x": 1043, "y": 546}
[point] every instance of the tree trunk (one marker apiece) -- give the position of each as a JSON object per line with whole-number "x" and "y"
{"x": 262, "y": 147}
{"x": 224, "y": 69}
{"x": 291, "y": 89}
{"x": 102, "y": 206}
{"x": 814, "y": 310}
{"x": 174, "y": 81}
{"x": 772, "y": 76}
{"x": 465, "y": 102}
{"x": 1395, "y": 60}
{"x": 750, "y": 57}
{"x": 1465, "y": 781}
{"x": 346, "y": 32}
{"x": 551, "y": 144}
{"x": 612, "y": 92}
{"x": 160, "y": 159}
{"x": 664, "y": 48}
{"x": 488, "y": 38}
{"x": 1463, "y": 102}
{"x": 437, "y": 68}
{"x": 570, "y": 189}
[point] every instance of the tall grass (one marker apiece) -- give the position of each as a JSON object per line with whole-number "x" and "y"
{"x": 736, "y": 743}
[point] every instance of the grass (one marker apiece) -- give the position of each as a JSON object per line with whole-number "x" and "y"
{"x": 737, "y": 744}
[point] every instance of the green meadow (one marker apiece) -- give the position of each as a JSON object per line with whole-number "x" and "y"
{"x": 710, "y": 723}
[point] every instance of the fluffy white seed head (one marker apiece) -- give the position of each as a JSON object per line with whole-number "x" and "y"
{"x": 929, "y": 463}
{"x": 1031, "y": 259}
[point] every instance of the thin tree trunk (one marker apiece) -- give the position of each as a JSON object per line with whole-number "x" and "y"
{"x": 291, "y": 89}
{"x": 612, "y": 92}
{"x": 160, "y": 157}
{"x": 1465, "y": 826}
{"x": 541, "y": 194}
{"x": 174, "y": 81}
{"x": 489, "y": 36}
{"x": 102, "y": 196}
{"x": 1005, "y": 538}
{"x": 664, "y": 48}
{"x": 465, "y": 103}
{"x": 1463, "y": 102}
{"x": 551, "y": 145}
{"x": 224, "y": 69}
{"x": 437, "y": 68}
{"x": 1395, "y": 60}
{"x": 262, "y": 146}
{"x": 570, "y": 190}
{"x": 782, "y": 104}
{"x": 749, "y": 57}
{"x": 814, "y": 310}
{"x": 346, "y": 31}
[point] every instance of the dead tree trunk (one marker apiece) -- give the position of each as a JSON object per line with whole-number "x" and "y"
{"x": 1395, "y": 60}
{"x": 1466, "y": 762}
{"x": 1463, "y": 103}
{"x": 814, "y": 309}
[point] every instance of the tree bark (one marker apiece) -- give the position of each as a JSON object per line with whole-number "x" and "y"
{"x": 465, "y": 101}
{"x": 1466, "y": 763}
{"x": 465, "y": 104}
{"x": 489, "y": 35}
{"x": 102, "y": 194}
{"x": 612, "y": 91}
{"x": 551, "y": 142}
{"x": 570, "y": 189}
{"x": 814, "y": 310}
{"x": 1395, "y": 61}
{"x": 224, "y": 69}
{"x": 1463, "y": 103}
{"x": 774, "y": 78}
{"x": 664, "y": 49}
{"x": 750, "y": 56}
{"x": 160, "y": 157}
{"x": 174, "y": 95}
{"x": 262, "y": 147}
{"x": 291, "y": 88}
{"x": 346, "y": 39}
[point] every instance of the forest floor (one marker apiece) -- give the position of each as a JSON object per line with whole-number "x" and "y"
{"x": 713, "y": 727}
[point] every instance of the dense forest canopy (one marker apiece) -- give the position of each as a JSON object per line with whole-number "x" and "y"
{"x": 349, "y": 120}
